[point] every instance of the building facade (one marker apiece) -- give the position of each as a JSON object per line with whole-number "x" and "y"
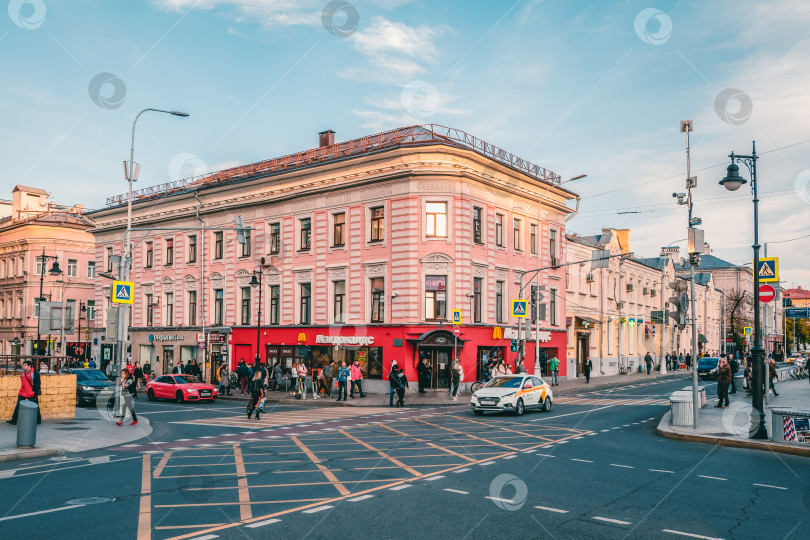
{"x": 38, "y": 226}
{"x": 365, "y": 249}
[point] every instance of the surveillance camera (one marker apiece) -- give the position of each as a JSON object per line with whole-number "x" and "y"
{"x": 674, "y": 195}
{"x": 394, "y": 294}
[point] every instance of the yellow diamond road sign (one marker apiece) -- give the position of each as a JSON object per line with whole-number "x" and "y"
{"x": 122, "y": 292}
{"x": 768, "y": 270}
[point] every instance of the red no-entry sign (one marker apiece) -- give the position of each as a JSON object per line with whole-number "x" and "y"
{"x": 766, "y": 293}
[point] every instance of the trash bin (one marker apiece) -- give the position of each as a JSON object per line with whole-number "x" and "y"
{"x": 701, "y": 393}
{"x": 682, "y": 408}
{"x": 27, "y": 424}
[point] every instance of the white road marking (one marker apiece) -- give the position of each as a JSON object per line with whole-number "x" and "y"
{"x": 318, "y": 509}
{"x": 461, "y": 471}
{"x": 99, "y": 459}
{"x": 582, "y": 460}
{"x": 576, "y": 438}
{"x": 660, "y": 470}
{"x": 622, "y": 466}
{"x": 7, "y": 474}
{"x": 457, "y": 491}
{"x": 625, "y": 425}
{"x": 206, "y": 537}
{"x": 573, "y": 413}
{"x": 549, "y": 509}
{"x": 562, "y": 442}
{"x": 432, "y": 478}
{"x": 605, "y": 430}
{"x": 262, "y": 523}
{"x": 486, "y": 463}
{"x": 617, "y": 427}
{"x": 712, "y": 477}
{"x": 42, "y": 512}
{"x": 769, "y": 486}
{"x": 513, "y": 456}
{"x": 498, "y": 499}
{"x": 610, "y": 520}
{"x": 361, "y": 498}
{"x": 592, "y": 433}
{"x": 690, "y": 535}
{"x": 401, "y": 486}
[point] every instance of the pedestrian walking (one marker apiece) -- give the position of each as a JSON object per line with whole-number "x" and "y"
{"x": 256, "y": 394}
{"x": 772, "y": 374}
{"x": 138, "y": 375}
{"x": 178, "y": 368}
{"x": 688, "y": 360}
{"x": 520, "y": 368}
{"x": 327, "y": 376}
{"x": 735, "y": 367}
{"x": 129, "y": 392}
{"x": 587, "y": 367}
{"x": 456, "y": 379}
{"x": 393, "y": 384}
{"x": 30, "y": 388}
{"x": 343, "y": 376}
{"x": 403, "y": 384}
{"x": 668, "y": 359}
{"x": 243, "y": 372}
{"x": 423, "y": 375}
{"x": 357, "y": 379}
{"x": 303, "y": 377}
{"x": 554, "y": 365}
{"x": 648, "y": 360}
{"x": 681, "y": 361}
{"x": 224, "y": 380}
{"x": 723, "y": 381}
{"x": 277, "y": 375}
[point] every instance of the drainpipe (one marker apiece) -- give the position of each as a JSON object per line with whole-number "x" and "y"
{"x": 207, "y": 373}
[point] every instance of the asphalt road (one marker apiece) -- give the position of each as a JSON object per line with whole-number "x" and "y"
{"x": 591, "y": 468}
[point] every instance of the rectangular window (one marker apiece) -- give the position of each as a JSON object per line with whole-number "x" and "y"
{"x": 275, "y": 238}
{"x": 219, "y": 251}
{"x": 339, "y": 230}
{"x": 339, "y": 302}
{"x": 516, "y": 234}
{"x": 169, "y": 252}
{"x": 149, "y": 255}
{"x": 169, "y": 309}
{"x": 306, "y": 303}
{"x": 499, "y": 230}
{"x": 109, "y": 259}
{"x": 36, "y": 307}
{"x": 499, "y": 301}
{"x": 436, "y": 213}
{"x": 377, "y": 300}
{"x": 41, "y": 266}
{"x": 552, "y": 243}
{"x": 306, "y": 233}
{"x": 192, "y": 248}
{"x": 246, "y": 305}
{"x": 219, "y": 303}
{"x": 91, "y": 269}
{"x": 435, "y": 298}
{"x": 477, "y": 218}
{"x": 533, "y": 238}
{"x": 91, "y": 310}
{"x": 246, "y": 247}
{"x": 147, "y": 307}
{"x": 377, "y": 224}
{"x": 552, "y": 307}
{"x": 275, "y": 308}
{"x": 73, "y": 268}
{"x": 192, "y": 308}
{"x": 477, "y": 286}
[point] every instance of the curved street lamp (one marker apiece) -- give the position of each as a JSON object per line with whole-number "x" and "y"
{"x": 258, "y": 283}
{"x": 54, "y": 271}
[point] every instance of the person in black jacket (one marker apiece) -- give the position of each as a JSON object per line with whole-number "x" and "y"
{"x": 735, "y": 367}
{"x": 423, "y": 373}
{"x": 129, "y": 392}
{"x": 403, "y": 384}
{"x": 395, "y": 384}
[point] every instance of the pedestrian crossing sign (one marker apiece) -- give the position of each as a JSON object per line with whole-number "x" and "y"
{"x": 456, "y": 316}
{"x": 520, "y": 308}
{"x": 122, "y": 292}
{"x": 748, "y": 330}
{"x": 768, "y": 270}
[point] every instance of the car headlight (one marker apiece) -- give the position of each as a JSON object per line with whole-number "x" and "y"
{"x": 87, "y": 388}
{"x": 191, "y": 390}
{"x": 510, "y": 394}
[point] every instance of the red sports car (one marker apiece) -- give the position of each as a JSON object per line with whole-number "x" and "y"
{"x": 180, "y": 388}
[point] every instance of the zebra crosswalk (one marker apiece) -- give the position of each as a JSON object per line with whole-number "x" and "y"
{"x": 574, "y": 400}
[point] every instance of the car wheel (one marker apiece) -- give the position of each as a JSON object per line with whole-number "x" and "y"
{"x": 180, "y": 398}
{"x": 150, "y": 395}
{"x": 520, "y": 408}
{"x": 546, "y": 404}
{"x": 477, "y": 412}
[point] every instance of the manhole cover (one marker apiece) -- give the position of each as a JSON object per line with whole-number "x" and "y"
{"x": 84, "y": 501}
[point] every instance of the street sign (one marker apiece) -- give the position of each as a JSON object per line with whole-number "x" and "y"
{"x": 748, "y": 330}
{"x": 456, "y": 316}
{"x": 766, "y": 293}
{"x": 797, "y": 313}
{"x": 768, "y": 270}
{"x": 787, "y": 302}
{"x": 520, "y": 308}
{"x": 122, "y": 292}
{"x": 456, "y": 330}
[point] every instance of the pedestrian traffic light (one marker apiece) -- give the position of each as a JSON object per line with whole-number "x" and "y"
{"x": 514, "y": 346}
{"x": 787, "y": 302}
{"x": 240, "y": 230}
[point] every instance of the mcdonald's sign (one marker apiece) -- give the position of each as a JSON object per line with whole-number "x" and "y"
{"x": 497, "y": 333}
{"x": 302, "y": 337}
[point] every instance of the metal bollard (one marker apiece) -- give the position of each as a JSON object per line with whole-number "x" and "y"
{"x": 27, "y": 424}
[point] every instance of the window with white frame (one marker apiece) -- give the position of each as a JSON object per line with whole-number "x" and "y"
{"x": 377, "y": 223}
{"x": 91, "y": 310}
{"x": 169, "y": 309}
{"x": 91, "y": 269}
{"x": 436, "y": 219}
{"x": 516, "y": 230}
{"x": 305, "y": 306}
{"x": 377, "y": 300}
{"x": 72, "y": 268}
{"x": 246, "y": 292}
{"x": 435, "y": 298}
{"x": 339, "y": 301}
{"x": 499, "y": 301}
{"x": 275, "y": 307}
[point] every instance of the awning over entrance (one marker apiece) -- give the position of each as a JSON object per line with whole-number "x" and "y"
{"x": 702, "y": 339}
{"x": 437, "y": 338}
{"x": 588, "y": 320}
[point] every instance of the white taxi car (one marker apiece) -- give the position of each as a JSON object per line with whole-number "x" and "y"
{"x": 512, "y": 393}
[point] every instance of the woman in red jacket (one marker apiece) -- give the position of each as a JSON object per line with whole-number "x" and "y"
{"x": 723, "y": 381}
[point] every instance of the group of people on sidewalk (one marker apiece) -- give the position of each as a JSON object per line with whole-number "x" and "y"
{"x": 727, "y": 367}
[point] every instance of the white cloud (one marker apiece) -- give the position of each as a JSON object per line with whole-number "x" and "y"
{"x": 265, "y": 12}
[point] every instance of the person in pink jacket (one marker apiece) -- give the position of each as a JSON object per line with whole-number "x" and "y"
{"x": 357, "y": 380}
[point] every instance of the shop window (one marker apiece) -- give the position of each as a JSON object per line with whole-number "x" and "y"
{"x": 377, "y": 224}
{"x": 436, "y": 216}
{"x": 478, "y": 213}
{"x": 339, "y": 309}
{"x": 435, "y": 298}
{"x": 339, "y": 229}
{"x": 377, "y": 300}
{"x": 275, "y": 309}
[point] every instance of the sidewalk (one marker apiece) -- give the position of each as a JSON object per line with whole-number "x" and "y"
{"x": 435, "y": 398}
{"x": 90, "y": 430}
{"x": 729, "y": 426}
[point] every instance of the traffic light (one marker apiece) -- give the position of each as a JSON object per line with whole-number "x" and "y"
{"x": 680, "y": 301}
{"x": 514, "y": 346}
{"x": 240, "y": 230}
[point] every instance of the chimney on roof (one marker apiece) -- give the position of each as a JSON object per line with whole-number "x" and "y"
{"x": 326, "y": 138}
{"x": 707, "y": 249}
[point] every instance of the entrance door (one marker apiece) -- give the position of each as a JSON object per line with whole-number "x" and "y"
{"x": 582, "y": 352}
{"x": 439, "y": 362}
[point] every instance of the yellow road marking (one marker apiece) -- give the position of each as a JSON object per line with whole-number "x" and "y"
{"x": 468, "y": 435}
{"x": 453, "y": 453}
{"x": 201, "y": 475}
{"x": 288, "y": 485}
{"x": 326, "y": 472}
{"x": 189, "y": 505}
{"x": 381, "y": 453}
{"x": 244, "y": 493}
{"x": 145, "y": 510}
{"x": 168, "y": 527}
{"x": 161, "y": 464}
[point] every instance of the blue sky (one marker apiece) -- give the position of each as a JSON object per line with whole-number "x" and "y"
{"x": 593, "y": 87}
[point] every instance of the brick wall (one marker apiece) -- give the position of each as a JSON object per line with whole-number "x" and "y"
{"x": 58, "y": 398}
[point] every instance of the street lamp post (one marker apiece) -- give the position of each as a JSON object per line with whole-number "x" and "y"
{"x": 54, "y": 271}
{"x": 82, "y": 309}
{"x": 254, "y": 282}
{"x": 732, "y": 182}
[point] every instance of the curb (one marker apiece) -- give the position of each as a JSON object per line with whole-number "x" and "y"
{"x": 769, "y": 446}
{"x": 30, "y": 454}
